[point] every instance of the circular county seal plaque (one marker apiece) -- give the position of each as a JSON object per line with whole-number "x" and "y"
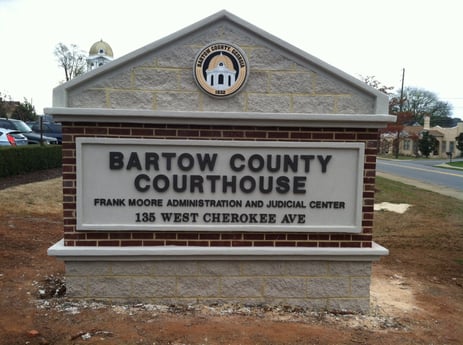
{"x": 221, "y": 69}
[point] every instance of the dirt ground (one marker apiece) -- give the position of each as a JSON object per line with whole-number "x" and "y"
{"x": 416, "y": 293}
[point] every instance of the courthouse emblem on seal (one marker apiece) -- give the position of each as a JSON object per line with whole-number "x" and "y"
{"x": 221, "y": 69}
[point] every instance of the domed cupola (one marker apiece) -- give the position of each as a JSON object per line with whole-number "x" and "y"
{"x": 221, "y": 74}
{"x": 99, "y": 54}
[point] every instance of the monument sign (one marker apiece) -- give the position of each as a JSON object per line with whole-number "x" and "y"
{"x": 219, "y": 165}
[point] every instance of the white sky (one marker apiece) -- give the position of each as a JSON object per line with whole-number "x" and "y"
{"x": 361, "y": 37}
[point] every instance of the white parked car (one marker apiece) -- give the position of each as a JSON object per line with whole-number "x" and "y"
{"x": 9, "y": 137}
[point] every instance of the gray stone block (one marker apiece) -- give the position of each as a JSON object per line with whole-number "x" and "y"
{"x": 233, "y": 104}
{"x": 197, "y": 287}
{"x": 154, "y": 287}
{"x": 176, "y": 268}
{"x": 109, "y": 287}
{"x": 120, "y": 80}
{"x": 357, "y": 305}
{"x": 186, "y": 80}
{"x": 314, "y": 104}
{"x": 360, "y": 287}
{"x": 355, "y": 104}
{"x": 263, "y": 268}
{"x": 131, "y": 99}
{"x": 87, "y": 268}
{"x": 290, "y": 82}
{"x": 87, "y": 98}
{"x": 76, "y": 287}
{"x": 219, "y": 268}
{"x": 133, "y": 268}
{"x": 350, "y": 268}
{"x": 242, "y": 287}
{"x": 179, "y": 56}
{"x": 328, "y": 287}
{"x": 155, "y": 79}
{"x": 258, "y": 82}
{"x": 177, "y": 101}
{"x": 285, "y": 287}
{"x": 306, "y": 268}
{"x": 325, "y": 85}
{"x": 269, "y": 103}
{"x": 263, "y": 58}
{"x": 314, "y": 304}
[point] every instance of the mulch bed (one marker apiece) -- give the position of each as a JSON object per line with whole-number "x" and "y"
{"x": 41, "y": 175}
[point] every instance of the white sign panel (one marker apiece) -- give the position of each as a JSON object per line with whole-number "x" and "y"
{"x": 163, "y": 185}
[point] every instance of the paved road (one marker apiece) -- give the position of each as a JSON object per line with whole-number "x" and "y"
{"x": 424, "y": 174}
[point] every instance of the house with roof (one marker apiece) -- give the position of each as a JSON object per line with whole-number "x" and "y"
{"x": 409, "y": 136}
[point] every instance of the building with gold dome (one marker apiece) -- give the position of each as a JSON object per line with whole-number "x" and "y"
{"x": 99, "y": 54}
{"x": 221, "y": 74}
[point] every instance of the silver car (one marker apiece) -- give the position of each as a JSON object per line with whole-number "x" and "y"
{"x": 9, "y": 137}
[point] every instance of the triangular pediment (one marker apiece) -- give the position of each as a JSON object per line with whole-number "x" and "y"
{"x": 281, "y": 78}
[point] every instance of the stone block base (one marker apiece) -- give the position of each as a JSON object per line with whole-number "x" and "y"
{"x": 193, "y": 275}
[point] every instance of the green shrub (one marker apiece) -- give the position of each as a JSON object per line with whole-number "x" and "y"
{"x": 29, "y": 158}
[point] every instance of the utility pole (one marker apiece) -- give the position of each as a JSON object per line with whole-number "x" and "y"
{"x": 401, "y": 102}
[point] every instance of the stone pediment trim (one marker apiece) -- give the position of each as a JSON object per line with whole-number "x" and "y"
{"x": 66, "y": 253}
{"x": 220, "y": 118}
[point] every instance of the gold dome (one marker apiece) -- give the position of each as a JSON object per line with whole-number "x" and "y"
{"x": 101, "y": 48}
{"x": 220, "y": 61}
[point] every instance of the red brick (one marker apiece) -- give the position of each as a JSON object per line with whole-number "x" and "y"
{"x": 340, "y": 237}
{"x": 109, "y": 243}
{"x": 142, "y": 132}
{"x": 306, "y": 244}
{"x": 209, "y": 236}
{"x": 120, "y": 235}
{"x": 320, "y": 136}
{"x": 254, "y": 236}
{"x": 233, "y": 134}
{"x": 255, "y": 134}
{"x": 274, "y": 237}
{"x": 198, "y": 243}
{"x": 97, "y": 236}
{"x": 187, "y": 236}
{"x": 85, "y": 243}
{"x": 143, "y": 235}
{"x": 351, "y": 244}
{"x": 298, "y": 237}
{"x": 165, "y": 236}
{"x": 278, "y": 135}
{"x": 153, "y": 243}
{"x": 131, "y": 243}
{"x": 319, "y": 237}
{"x": 263, "y": 244}
{"x": 241, "y": 243}
{"x": 165, "y": 132}
{"x": 119, "y": 131}
{"x": 328, "y": 244}
{"x": 220, "y": 244}
{"x": 300, "y": 135}
{"x": 285, "y": 244}
{"x": 344, "y": 136}
{"x": 188, "y": 133}
{"x": 232, "y": 236}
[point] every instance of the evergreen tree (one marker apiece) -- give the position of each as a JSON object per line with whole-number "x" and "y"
{"x": 24, "y": 111}
{"x": 459, "y": 143}
{"x": 427, "y": 144}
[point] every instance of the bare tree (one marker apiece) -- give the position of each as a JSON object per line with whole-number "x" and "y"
{"x": 72, "y": 59}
